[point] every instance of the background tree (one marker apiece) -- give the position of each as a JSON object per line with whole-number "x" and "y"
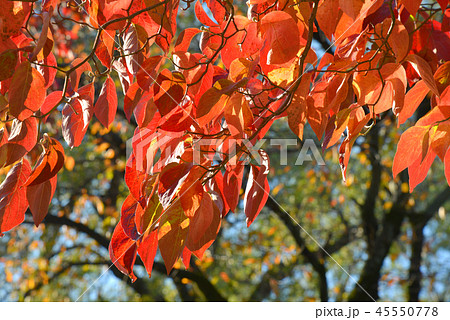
{"x": 317, "y": 236}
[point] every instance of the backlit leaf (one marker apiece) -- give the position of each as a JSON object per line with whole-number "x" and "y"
{"x": 13, "y": 199}
{"x": 27, "y": 91}
{"x": 172, "y": 234}
{"x": 39, "y": 198}
{"x": 106, "y": 106}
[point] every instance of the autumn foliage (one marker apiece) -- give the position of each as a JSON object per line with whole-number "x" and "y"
{"x": 249, "y": 71}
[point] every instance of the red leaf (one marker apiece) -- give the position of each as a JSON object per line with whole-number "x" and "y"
{"x": 105, "y": 48}
{"x": 179, "y": 119}
{"x": 101, "y": 52}
{"x": 106, "y": 106}
{"x": 134, "y": 177}
{"x": 431, "y": 38}
{"x": 443, "y": 4}
{"x": 424, "y": 70}
{"x": 132, "y": 98}
{"x": 49, "y": 163}
{"x": 146, "y": 113}
{"x": 257, "y": 190}
{"x": 148, "y": 71}
{"x": 22, "y": 139}
{"x": 411, "y": 5}
{"x": 440, "y": 140}
{"x": 352, "y": 8}
{"x": 147, "y": 247}
{"x": 186, "y": 257}
{"x": 39, "y": 198}
{"x": 172, "y": 234}
{"x": 122, "y": 251}
{"x": 185, "y": 38}
{"x": 130, "y": 208}
{"x": 75, "y": 118}
{"x": 409, "y": 148}
{"x": 43, "y": 36}
{"x": 297, "y": 109}
{"x": 232, "y": 182}
{"x": 14, "y": 15}
{"x": 3, "y": 136}
{"x": 74, "y": 78}
{"x": 215, "y": 187}
{"x": 171, "y": 178}
{"x": 13, "y": 199}
{"x": 328, "y": 15}
{"x": 27, "y": 91}
{"x": 50, "y": 102}
{"x": 130, "y": 46}
{"x": 124, "y": 75}
{"x": 203, "y": 229}
{"x": 147, "y": 219}
{"x": 437, "y": 114}
{"x": 447, "y": 166}
{"x": 202, "y": 16}
{"x": 242, "y": 42}
{"x": 169, "y": 90}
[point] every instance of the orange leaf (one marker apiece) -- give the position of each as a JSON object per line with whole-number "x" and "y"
{"x": 409, "y": 148}
{"x": 49, "y": 163}
{"x": 424, "y": 70}
{"x": 281, "y": 32}
{"x": 204, "y": 228}
{"x": 213, "y": 101}
{"x": 27, "y": 91}
{"x": 172, "y": 234}
{"x": 191, "y": 192}
{"x": 201, "y": 219}
{"x": 238, "y": 115}
{"x": 413, "y": 99}
{"x": 418, "y": 170}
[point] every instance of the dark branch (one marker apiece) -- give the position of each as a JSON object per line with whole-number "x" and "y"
{"x": 310, "y": 256}
{"x": 209, "y": 291}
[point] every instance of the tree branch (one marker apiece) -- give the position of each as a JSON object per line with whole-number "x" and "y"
{"x": 367, "y": 288}
{"x": 418, "y": 223}
{"x": 209, "y": 291}
{"x": 311, "y": 257}
{"x": 369, "y": 221}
